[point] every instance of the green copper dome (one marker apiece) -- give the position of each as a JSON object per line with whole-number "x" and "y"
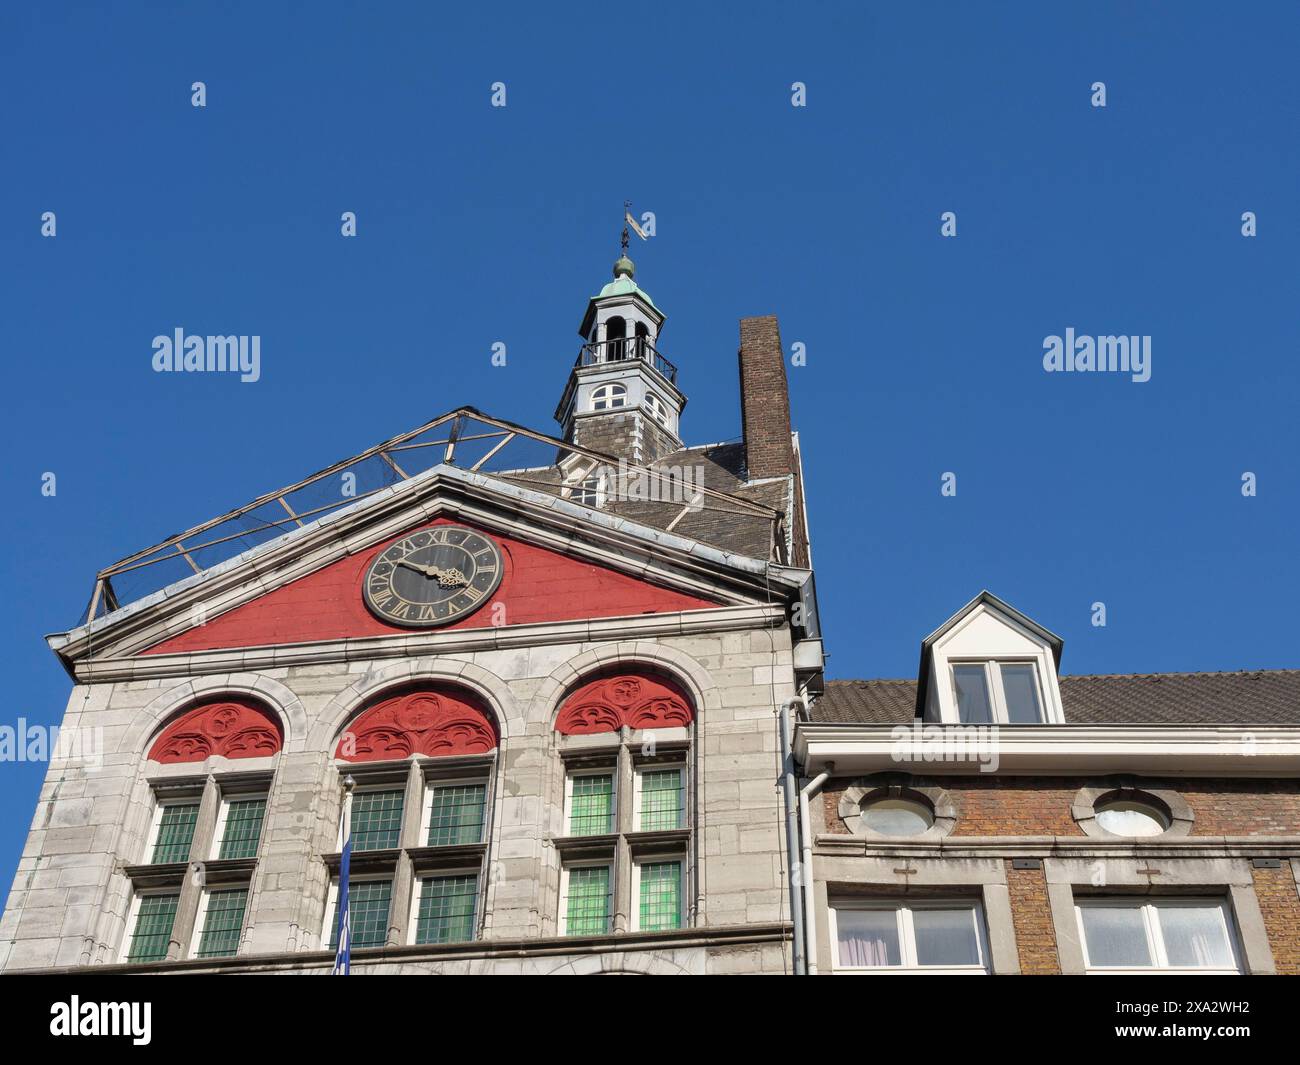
{"x": 625, "y": 267}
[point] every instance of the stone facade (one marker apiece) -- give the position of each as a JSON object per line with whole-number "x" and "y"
{"x": 71, "y": 899}
{"x": 280, "y": 639}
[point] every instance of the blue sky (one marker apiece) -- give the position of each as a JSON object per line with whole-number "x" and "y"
{"x": 479, "y": 224}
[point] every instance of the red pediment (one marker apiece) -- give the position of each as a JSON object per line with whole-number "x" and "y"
{"x": 436, "y": 721}
{"x": 637, "y": 700}
{"x": 537, "y": 586}
{"x": 230, "y": 727}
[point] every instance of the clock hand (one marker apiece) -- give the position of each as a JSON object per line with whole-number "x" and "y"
{"x": 428, "y": 571}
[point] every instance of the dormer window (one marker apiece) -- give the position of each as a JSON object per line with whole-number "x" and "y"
{"x": 607, "y": 397}
{"x": 1003, "y": 693}
{"x": 990, "y": 665}
{"x": 587, "y": 492}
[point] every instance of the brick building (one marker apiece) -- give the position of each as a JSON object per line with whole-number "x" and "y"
{"x": 543, "y": 668}
{"x": 992, "y": 816}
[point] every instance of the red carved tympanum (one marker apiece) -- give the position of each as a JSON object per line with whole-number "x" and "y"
{"x": 432, "y": 721}
{"x": 638, "y": 700}
{"x": 230, "y": 727}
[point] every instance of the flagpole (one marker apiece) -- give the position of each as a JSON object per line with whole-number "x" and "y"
{"x": 343, "y": 953}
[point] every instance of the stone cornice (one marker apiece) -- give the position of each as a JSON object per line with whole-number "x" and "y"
{"x": 948, "y": 750}
{"x": 423, "y": 644}
{"x": 509, "y": 949}
{"x": 834, "y": 844}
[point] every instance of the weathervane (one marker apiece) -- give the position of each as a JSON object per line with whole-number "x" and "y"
{"x": 630, "y": 223}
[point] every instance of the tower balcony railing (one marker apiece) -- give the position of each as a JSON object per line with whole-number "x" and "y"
{"x": 623, "y": 348}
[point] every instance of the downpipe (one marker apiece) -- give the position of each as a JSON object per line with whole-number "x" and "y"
{"x": 792, "y": 852}
{"x": 807, "y": 792}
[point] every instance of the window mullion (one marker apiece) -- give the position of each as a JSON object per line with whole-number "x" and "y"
{"x": 624, "y": 898}
{"x": 191, "y": 890}
{"x": 906, "y": 937}
{"x": 996, "y": 692}
{"x": 1155, "y": 935}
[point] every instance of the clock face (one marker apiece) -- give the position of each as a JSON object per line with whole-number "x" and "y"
{"x": 433, "y": 577}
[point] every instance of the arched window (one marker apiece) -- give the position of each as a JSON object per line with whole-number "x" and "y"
{"x": 615, "y": 339}
{"x": 657, "y": 407}
{"x": 637, "y": 700}
{"x": 607, "y": 397}
{"x": 626, "y": 802}
{"x": 448, "y": 738}
{"x": 430, "y": 720}
{"x": 218, "y": 821}
{"x": 232, "y": 728}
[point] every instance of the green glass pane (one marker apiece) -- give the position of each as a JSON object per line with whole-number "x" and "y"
{"x": 591, "y": 809}
{"x": 446, "y": 912}
{"x": 661, "y": 800}
{"x": 223, "y": 923}
{"x": 243, "y": 828}
{"x": 661, "y": 896}
{"x": 376, "y": 820}
{"x": 587, "y": 904}
{"x": 368, "y": 902}
{"x": 153, "y": 928}
{"x": 456, "y": 814}
{"x": 175, "y": 832}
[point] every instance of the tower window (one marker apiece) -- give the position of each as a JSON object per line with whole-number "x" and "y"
{"x": 657, "y": 407}
{"x": 607, "y": 397}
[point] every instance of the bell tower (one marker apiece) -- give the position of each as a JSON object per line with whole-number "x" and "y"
{"x": 622, "y": 396}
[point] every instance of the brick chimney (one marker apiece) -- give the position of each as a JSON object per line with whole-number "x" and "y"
{"x": 764, "y": 399}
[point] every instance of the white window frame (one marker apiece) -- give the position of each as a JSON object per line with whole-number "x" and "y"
{"x": 587, "y": 479}
{"x": 607, "y": 394}
{"x": 133, "y": 918}
{"x": 332, "y": 902}
{"x": 612, "y": 773}
{"x": 658, "y": 767}
{"x": 361, "y": 789}
{"x": 997, "y": 694}
{"x": 201, "y": 918}
{"x": 417, "y": 889}
{"x": 1149, "y": 907}
{"x": 657, "y": 408}
{"x": 155, "y": 826}
{"x": 223, "y": 815}
{"x": 659, "y": 859}
{"x": 426, "y": 806}
{"x": 902, "y": 911}
{"x": 607, "y": 863}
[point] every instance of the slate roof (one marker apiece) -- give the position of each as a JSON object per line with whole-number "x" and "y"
{"x": 1262, "y": 697}
{"x": 717, "y": 523}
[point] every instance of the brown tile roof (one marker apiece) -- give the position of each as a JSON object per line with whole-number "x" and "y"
{"x": 1262, "y": 697}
